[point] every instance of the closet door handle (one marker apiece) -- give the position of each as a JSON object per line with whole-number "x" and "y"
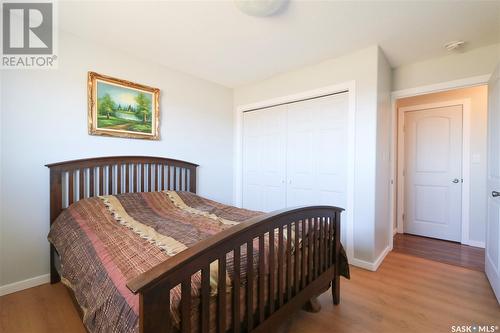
{"x": 495, "y": 194}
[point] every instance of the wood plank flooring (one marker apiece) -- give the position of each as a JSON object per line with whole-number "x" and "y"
{"x": 43, "y": 309}
{"x": 406, "y": 294}
{"x": 434, "y": 249}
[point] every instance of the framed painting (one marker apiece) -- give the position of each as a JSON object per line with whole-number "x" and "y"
{"x": 122, "y": 108}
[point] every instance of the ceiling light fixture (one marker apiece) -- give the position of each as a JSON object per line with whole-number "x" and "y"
{"x": 260, "y": 8}
{"x": 454, "y": 45}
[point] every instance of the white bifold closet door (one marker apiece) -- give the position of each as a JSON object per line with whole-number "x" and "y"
{"x": 296, "y": 154}
{"x": 264, "y": 159}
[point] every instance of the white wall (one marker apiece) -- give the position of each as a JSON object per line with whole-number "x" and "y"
{"x": 479, "y": 113}
{"x": 44, "y": 119}
{"x": 383, "y": 228}
{"x": 480, "y": 61}
{"x": 360, "y": 66}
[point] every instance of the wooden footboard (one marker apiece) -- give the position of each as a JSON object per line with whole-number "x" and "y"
{"x": 301, "y": 272}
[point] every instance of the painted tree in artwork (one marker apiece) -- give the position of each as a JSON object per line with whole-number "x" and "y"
{"x": 106, "y": 106}
{"x": 143, "y": 108}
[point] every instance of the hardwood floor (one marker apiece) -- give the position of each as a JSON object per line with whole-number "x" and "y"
{"x": 406, "y": 294}
{"x": 434, "y": 249}
{"x": 46, "y": 308}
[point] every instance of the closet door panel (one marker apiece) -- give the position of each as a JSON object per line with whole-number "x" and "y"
{"x": 296, "y": 154}
{"x": 264, "y": 135}
{"x": 317, "y": 152}
{"x": 300, "y": 154}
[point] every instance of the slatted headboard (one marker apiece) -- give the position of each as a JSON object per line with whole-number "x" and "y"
{"x": 71, "y": 181}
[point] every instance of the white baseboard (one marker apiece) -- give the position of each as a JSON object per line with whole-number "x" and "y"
{"x": 24, "y": 284}
{"x": 394, "y": 231}
{"x": 474, "y": 243}
{"x": 371, "y": 266}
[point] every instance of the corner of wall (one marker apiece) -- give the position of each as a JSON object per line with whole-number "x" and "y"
{"x": 383, "y": 227}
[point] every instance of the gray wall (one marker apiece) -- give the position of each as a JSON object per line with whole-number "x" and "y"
{"x": 44, "y": 119}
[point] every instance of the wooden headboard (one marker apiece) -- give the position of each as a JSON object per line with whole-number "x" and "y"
{"x": 71, "y": 181}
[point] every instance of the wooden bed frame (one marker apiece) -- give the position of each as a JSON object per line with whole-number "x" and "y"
{"x": 74, "y": 180}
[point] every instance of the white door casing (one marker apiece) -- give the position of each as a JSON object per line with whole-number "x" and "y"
{"x": 433, "y": 172}
{"x": 349, "y": 87}
{"x": 492, "y": 251}
{"x": 396, "y": 195}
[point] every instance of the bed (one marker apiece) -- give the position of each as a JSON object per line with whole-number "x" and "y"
{"x": 140, "y": 251}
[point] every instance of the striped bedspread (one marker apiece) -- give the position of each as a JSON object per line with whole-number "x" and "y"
{"x": 103, "y": 242}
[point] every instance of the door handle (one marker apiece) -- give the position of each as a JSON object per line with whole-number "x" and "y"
{"x": 455, "y": 181}
{"x": 495, "y": 194}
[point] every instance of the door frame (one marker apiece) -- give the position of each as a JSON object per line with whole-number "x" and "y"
{"x": 420, "y": 90}
{"x": 401, "y": 189}
{"x": 491, "y": 269}
{"x": 350, "y": 88}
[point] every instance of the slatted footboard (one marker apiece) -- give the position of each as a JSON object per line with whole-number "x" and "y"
{"x": 302, "y": 258}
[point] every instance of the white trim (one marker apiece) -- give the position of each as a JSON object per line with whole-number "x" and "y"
{"x": 466, "y": 142}
{"x": 475, "y": 243}
{"x": 349, "y": 86}
{"x": 371, "y": 266}
{"x": 296, "y": 97}
{"x": 393, "y": 181}
{"x": 442, "y": 86}
{"x": 24, "y": 284}
{"x": 466, "y": 138}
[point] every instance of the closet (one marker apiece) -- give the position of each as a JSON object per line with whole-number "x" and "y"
{"x": 295, "y": 154}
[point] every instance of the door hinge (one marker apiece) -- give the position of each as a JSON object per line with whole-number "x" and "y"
{"x": 403, "y": 217}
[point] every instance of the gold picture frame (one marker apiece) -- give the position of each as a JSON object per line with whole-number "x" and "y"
{"x": 122, "y": 108}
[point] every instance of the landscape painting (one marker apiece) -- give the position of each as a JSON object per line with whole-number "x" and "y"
{"x": 122, "y": 108}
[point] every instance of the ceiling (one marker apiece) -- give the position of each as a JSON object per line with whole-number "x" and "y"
{"x": 215, "y": 41}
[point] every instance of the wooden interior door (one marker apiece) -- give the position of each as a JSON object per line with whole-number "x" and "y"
{"x": 492, "y": 253}
{"x": 433, "y": 172}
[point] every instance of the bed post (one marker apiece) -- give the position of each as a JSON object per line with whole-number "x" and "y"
{"x": 336, "y": 276}
{"x": 192, "y": 181}
{"x": 55, "y": 210}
